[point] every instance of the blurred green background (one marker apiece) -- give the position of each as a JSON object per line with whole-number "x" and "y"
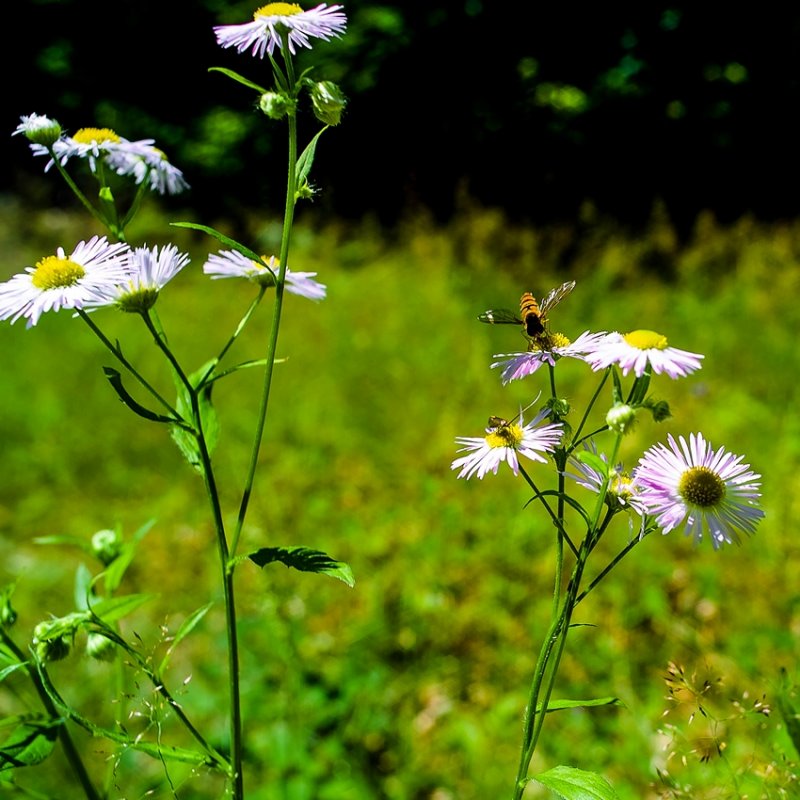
{"x": 412, "y": 684}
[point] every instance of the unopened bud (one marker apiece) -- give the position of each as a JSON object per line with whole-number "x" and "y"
{"x": 39, "y": 129}
{"x": 106, "y": 545}
{"x": 99, "y": 647}
{"x": 621, "y": 417}
{"x": 328, "y": 101}
{"x": 276, "y": 105}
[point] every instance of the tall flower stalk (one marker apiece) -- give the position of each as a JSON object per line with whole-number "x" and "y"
{"x": 711, "y": 492}
{"x": 98, "y": 274}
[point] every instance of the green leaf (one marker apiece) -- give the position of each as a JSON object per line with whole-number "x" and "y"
{"x": 187, "y": 440}
{"x": 788, "y": 709}
{"x": 115, "y": 379}
{"x": 307, "y": 158}
{"x": 304, "y": 559}
{"x": 114, "y": 608}
{"x": 576, "y": 784}
{"x": 116, "y": 569}
{"x": 560, "y": 705}
{"x": 594, "y": 461}
{"x": 73, "y": 541}
{"x": 187, "y": 626}
{"x": 221, "y": 237}
{"x": 31, "y": 743}
{"x": 4, "y": 673}
{"x": 238, "y": 78}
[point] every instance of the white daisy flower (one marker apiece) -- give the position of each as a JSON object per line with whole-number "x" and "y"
{"x": 635, "y": 350}
{"x": 546, "y": 350}
{"x": 711, "y": 491}
{"x": 503, "y": 441}
{"x": 232, "y": 264}
{"x": 264, "y": 33}
{"x": 140, "y": 158}
{"x": 60, "y": 281}
{"x": 149, "y": 270}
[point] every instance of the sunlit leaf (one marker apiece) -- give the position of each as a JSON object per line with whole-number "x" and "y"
{"x": 186, "y": 440}
{"x": 304, "y": 559}
{"x": 220, "y": 237}
{"x": 560, "y": 705}
{"x": 31, "y": 743}
{"x": 187, "y": 626}
{"x": 114, "y": 608}
{"x": 594, "y": 461}
{"x": 576, "y": 784}
{"x": 238, "y": 78}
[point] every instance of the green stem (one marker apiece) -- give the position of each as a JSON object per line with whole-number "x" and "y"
{"x": 272, "y": 342}
{"x": 575, "y": 439}
{"x": 70, "y": 750}
{"x": 117, "y": 352}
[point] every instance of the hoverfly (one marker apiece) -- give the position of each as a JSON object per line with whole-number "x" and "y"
{"x": 532, "y": 314}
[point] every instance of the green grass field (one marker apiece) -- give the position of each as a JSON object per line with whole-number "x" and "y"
{"x": 411, "y": 685}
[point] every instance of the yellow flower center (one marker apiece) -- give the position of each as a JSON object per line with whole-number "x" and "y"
{"x": 507, "y": 434}
{"x": 621, "y": 485}
{"x": 646, "y": 340}
{"x": 53, "y": 272}
{"x": 278, "y": 10}
{"x": 99, "y": 135}
{"x": 702, "y": 487}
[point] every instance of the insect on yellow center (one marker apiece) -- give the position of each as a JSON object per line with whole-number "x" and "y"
{"x": 53, "y": 272}
{"x": 99, "y": 135}
{"x": 646, "y": 340}
{"x": 278, "y": 10}
{"x": 509, "y": 434}
{"x": 701, "y": 487}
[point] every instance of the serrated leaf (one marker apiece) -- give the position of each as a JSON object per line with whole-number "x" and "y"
{"x": 560, "y": 705}
{"x": 31, "y": 743}
{"x": 571, "y": 783}
{"x": 115, "y": 379}
{"x": 304, "y": 559}
{"x": 238, "y": 78}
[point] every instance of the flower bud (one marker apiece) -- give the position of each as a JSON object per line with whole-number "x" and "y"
{"x": 7, "y": 614}
{"x": 53, "y": 649}
{"x": 277, "y": 105}
{"x": 99, "y": 647}
{"x": 106, "y": 545}
{"x": 40, "y": 129}
{"x": 328, "y": 101}
{"x": 621, "y": 417}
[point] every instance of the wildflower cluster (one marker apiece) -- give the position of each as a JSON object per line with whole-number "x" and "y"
{"x": 686, "y": 483}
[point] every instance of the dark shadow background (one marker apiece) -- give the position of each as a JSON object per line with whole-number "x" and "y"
{"x": 534, "y": 107}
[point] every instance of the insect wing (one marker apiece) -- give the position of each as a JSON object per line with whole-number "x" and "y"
{"x": 500, "y": 316}
{"x": 555, "y": 296}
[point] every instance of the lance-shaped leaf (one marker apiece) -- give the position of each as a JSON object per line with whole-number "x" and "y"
{"x": 187, "y": 626}
{"x": 307, "y": 158}
{"x": 221, "y": 237}
{"x": 115, "y": 379}
{"x": 29, "y": 744}
{"x": 787, "y": 706}
{"x": 238, "y": 78}
{"x": 304, "y": 559}
{"x": 560, "y": 705}
{"x": 576, "y": 784}
{"x": 187, "y": 440}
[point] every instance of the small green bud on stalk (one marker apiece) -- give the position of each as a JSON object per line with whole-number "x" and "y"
{"x": 621, "y": 417}
{"x": 99, "y": 647}
{"x": 328, "y": 101}
{"x": 277, "y": 105}
{"x": 106, "y": 545}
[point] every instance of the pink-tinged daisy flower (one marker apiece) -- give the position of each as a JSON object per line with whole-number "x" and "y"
{"x": 141, "y": 158}
{"x": 545, "y": 351}
{"x": 272, "y": 21}
{"x": 80, "y": 279}
{"x": 503, "y": 441}
{"x": 635, "y": 350}
{"x": 39, "y": 129}
{"x": 232, "y": 264}
{"x": 710, "y": 490}
{"x": 149, "y": 270}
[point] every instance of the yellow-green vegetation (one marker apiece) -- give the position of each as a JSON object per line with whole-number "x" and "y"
{"x": 412, "y": 684}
